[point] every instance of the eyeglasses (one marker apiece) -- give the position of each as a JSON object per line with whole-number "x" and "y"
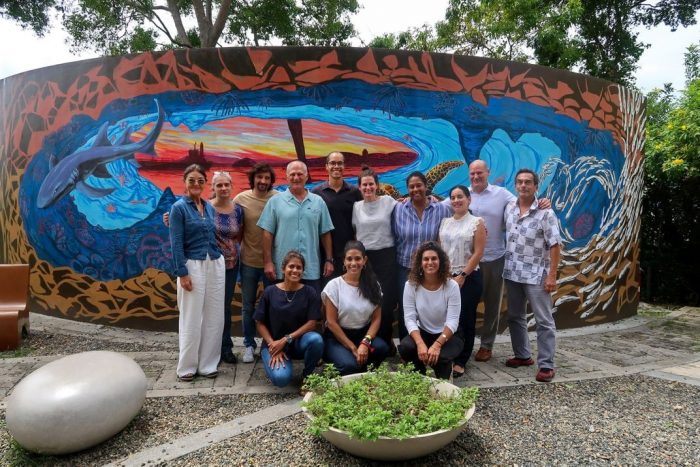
{"x": 196, "y": 181}
{"x": 336, "y": 164}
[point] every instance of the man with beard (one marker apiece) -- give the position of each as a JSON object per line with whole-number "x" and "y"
{"x": 261, "y": 179}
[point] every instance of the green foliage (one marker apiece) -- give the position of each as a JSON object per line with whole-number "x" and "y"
{"x": 32, "y": 14}
{"x": 323, "y": 23}
{"x": 422, "y": 38}
{"x": 383, "y": 403}
{"x": 127, "y": 26}
{"x": 670, "y": 225}
{"x": 592, "y": 36}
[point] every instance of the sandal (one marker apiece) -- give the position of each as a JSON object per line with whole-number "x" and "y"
{"x": 211, "y": 375}
{"x": 186, "y": 378}
{"x": 456, "y": 373}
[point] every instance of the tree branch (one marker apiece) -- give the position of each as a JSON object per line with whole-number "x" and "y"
{"x": 179, "y": 27}
{"x": 224, "y": 10}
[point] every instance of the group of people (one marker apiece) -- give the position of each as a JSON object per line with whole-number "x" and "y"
{"x": 344, "y": 259}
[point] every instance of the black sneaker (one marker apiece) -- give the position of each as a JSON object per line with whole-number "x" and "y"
{"x": 229, "y": 357}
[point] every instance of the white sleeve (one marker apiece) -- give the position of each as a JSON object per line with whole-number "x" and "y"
{"x": 409, "y": 307}
{"x": 331, "y": 292}
{"x": 454, "y": 305}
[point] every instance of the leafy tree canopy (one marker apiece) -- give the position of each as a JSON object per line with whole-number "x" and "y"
{"x": 673, "y": 127}
{"x": 592, "y": 36}
{"x": 129, "y": 26}
{"x": 32, "y": 14}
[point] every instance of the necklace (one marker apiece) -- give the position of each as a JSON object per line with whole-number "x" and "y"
{"x": 286, "y": 295}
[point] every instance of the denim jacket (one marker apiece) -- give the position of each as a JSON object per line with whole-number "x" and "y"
{"x": 191, "y": 234}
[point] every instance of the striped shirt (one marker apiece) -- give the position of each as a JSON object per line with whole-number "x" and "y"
{"x": 410, "y": 231}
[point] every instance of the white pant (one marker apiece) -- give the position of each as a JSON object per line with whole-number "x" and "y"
{"x": 201, "y": 316}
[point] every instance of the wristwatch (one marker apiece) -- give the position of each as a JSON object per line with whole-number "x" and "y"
{"x": 463, "y": 274}
{"x": 289, "y": 338}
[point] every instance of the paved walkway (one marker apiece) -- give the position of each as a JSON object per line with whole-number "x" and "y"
{"x": 661, "y": 346}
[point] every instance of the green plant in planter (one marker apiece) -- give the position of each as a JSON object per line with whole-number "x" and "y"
{"x": 396, "y": 404}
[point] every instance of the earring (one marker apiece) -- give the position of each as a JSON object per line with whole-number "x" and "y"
{"x": 345, "y": 269}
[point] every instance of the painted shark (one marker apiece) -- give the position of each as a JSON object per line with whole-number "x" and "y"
{"x": 72, "y": 171}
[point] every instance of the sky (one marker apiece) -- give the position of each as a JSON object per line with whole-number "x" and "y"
{"x": 661, "y": 63}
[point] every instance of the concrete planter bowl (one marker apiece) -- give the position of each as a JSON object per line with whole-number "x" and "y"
{"x": 394, "y": 449}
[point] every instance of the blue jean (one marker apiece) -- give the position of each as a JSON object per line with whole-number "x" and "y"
{"x": 308, "y": 347}
{"x": 470, "y": 293}
{"x": 343, "y": 359}
{"x": 230, "y": 285}
{"x": 250, "y": 277}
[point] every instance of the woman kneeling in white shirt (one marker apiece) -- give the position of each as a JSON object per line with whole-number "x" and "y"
{"x": 353, "y": 315}
{"x": 431, "y": 303}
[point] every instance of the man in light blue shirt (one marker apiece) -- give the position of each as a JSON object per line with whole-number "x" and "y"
{"x": 489, "y": 202}
{"x": 297, "y": 220}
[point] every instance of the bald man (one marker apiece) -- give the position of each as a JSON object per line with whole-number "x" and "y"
{"x": 297, "y": 220}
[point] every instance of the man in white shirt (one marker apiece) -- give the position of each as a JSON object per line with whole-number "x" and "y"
{"x": 530, "y": 272}
{"x": 488, "y": 202}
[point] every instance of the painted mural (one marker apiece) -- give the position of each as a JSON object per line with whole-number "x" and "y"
{"x": 92, "y": 156}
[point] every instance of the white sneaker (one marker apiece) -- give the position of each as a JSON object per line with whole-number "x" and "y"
{"x": 248, "y": 356}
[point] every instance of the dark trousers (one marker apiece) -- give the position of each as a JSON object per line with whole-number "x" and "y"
{"x": 384, "y": 266}
{"x": 470, "y": 294}
{"x": 443, "y": 367}
{"x": 343, "y": 359}
{"x": 402, "y": 277}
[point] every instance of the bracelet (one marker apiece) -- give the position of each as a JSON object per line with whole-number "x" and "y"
{"x": 367, "y": 344}
{"x": 368, "y": 337}
{"x": 329, "y": 260}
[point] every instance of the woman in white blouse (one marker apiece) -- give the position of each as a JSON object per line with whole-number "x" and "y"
{"x": 371, "y": 219}
{"x": 463, "y": 237}
{"x": 431, "y": 304}
{"x": 353, "y": 315}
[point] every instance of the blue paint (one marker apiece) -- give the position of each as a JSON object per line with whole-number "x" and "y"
{"x": 80, "y": 233}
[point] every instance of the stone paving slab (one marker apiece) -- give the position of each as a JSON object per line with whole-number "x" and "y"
{"x": 666, "y": 347}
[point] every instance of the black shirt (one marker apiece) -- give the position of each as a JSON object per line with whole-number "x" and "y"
{"x": 340, "y": 205}
{"x": 285, "y": 312}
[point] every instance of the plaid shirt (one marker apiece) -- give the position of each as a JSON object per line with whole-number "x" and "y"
{"x": 528, "y": 240}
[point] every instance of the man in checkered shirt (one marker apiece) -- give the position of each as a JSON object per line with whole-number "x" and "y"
{"x": 530, "y": 273}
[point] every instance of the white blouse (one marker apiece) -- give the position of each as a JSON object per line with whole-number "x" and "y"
{"x": 457, "y": 239}
{"x": 354, "y": 310}
{"x": 372, "y": 222}
{"x": 431, "y": 310}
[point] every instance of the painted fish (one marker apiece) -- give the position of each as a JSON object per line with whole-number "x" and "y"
{"x": 72, "y": 171}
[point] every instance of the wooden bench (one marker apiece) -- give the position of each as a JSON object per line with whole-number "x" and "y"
{"x": 14, "y": 314}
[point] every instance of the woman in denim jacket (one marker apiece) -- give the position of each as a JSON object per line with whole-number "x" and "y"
{"x": 200, "y": 271}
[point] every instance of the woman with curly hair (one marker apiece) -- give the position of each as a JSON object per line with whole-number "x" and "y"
{"x": 431, "y": 303}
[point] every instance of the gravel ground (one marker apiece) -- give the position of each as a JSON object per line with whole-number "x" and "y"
{"x": 623, "y": 420}
{"x": 42, "y": 343}
{"x": 161, "y": 420}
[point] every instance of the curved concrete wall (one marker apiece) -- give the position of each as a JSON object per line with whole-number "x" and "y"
{"x": 96, "y": 244}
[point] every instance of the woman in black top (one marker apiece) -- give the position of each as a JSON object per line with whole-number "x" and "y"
{"x": 285, "y": 318}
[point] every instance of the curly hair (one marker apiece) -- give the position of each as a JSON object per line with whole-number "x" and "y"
{"x": 415, "y": 275}
{"x": 258, "y": 169}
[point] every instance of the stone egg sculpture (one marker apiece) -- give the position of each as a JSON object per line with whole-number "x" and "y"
{"x": 75, "y": 402}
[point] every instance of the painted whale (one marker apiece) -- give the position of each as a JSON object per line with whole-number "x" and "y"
{"x": 72, "y": 171}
